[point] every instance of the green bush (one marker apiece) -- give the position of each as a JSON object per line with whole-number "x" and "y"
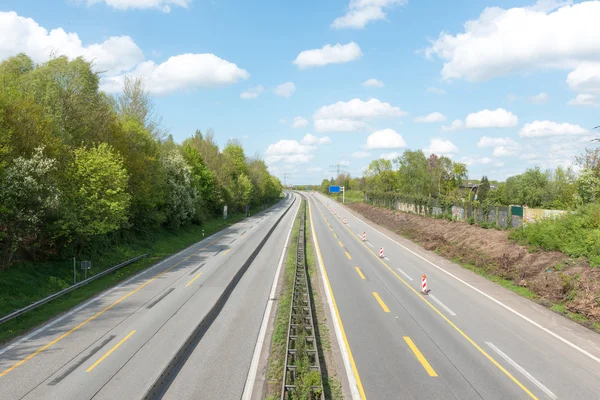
{"x": 576, "y": 234}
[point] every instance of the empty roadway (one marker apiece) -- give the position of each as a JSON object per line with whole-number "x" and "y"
{"x": 454, "y": 342}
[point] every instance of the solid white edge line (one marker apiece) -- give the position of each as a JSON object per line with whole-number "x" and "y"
{"x": 101, "y": 295}
{"x": 441, "y": 304}
{"x": 338, "y": 331}
{"x": 523, "y": 371}
{"x": 253, "y": 371}
{"x": 404, "y": 273}
{"x": 548, "y": 331}
{"x": 370, "y": 245}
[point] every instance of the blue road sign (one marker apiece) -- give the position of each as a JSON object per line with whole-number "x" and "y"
{"x": 334, "y": 189}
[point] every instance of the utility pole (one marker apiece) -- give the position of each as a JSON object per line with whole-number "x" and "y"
{"x": 337, "y": 168}
{"x": 285, "y": 176}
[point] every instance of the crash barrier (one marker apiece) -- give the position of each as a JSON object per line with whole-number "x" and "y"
{"x": 301, "y": 348}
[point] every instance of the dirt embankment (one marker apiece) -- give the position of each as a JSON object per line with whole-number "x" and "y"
{"x": 552, "y": 276}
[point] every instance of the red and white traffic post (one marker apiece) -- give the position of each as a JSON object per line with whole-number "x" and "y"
{"x": 381, "y": 252}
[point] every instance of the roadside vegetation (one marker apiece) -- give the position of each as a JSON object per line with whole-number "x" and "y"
{"x": 87, "y": 175}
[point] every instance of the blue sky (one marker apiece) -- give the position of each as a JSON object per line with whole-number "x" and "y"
{"x": 218, "y": 64}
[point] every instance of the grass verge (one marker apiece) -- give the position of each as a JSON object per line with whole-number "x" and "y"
{"x": 280, "y": 330}
{"x": 26, "y": 283}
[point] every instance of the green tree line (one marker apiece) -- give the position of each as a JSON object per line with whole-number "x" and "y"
{"x": 414, "y": 175}
{"x": 78, "y": 165}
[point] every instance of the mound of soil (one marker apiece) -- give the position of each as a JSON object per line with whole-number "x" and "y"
{"x": 552, "y": 276}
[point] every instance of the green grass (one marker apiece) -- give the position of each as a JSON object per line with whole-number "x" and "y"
{"x": 351, "y": 196}
{"x": 280, "y": 330}
{"x": 24, "y": 284}
{"x": 576, "y": 234}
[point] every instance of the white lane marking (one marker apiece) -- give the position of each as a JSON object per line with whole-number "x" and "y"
{"x": 548, "y": 331}
{"x": 404, "y": 273}
{"x": 347, "y": 224}
{"x": 522, "y": 370}
{"x": 355, "y": 394}
{"x": 387, "y": 258}
{"x": 370, "y": 244}
{"x": 441, "y": 304}
{"x": 251, "y": 378}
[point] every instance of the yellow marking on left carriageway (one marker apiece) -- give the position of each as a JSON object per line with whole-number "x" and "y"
{"x": 348, "y": 255}
{"x": 360, "y": 273}
{"x": 420, "y": 357}
{"x": 381, "y": 303}
{"x": 108, "y": 353}
{"x": 193, "y": 279}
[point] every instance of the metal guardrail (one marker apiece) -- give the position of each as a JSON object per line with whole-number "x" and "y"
{"x": 301, "y": 353}
{"x": 56, "y": 295}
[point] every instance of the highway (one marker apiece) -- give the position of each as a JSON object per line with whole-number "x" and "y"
{"x": 467, "y": 339}
{"x": 117, "y": 345}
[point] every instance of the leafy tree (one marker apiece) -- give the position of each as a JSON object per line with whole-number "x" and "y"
{"x": 588, "y": 185}
{"x": 483, "y": 190}
{"x": 96, "y": 199}
{"x": 29, "y": 192}
{"x": 181, "y": 194}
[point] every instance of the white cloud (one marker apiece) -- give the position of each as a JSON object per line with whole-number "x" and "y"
{"x": 539, "y": 98}
{"x": 185, "y": 71}
{"x": 431, "y": 118}
{"x": 538, "y": 129}
{"x": 252, "y": 93}
{"x": 550, "y": 35}
{"x": 286, "y": 146}
{"x": 504, "y": 151}
{"x": 476, "y": 160}
{"x": 361, "y": 12}
{"x": 456, "y": 124}
{"x": 339, "y": 125}
{"x": 345, "y": 163}
{"x": 585, "y": 77}
{"x": 328, "y": 54}
{"x": 357, "y": 108}
{"x": 385, "y": 139}
{"x": 503, "y": 147}
{"x": 24, "y": 35}
{"x": 290, "y": 159}
{"x": 584, "y": 99}
{"x": 310, "y": 140}
{"x": 486, "y": 141}
{"x": 163, "y": 5}
{"x": 299, "y": 122}
{"x": 434, "y": 90}
{"x": 372, "y": 83}
{"x": 499, "y": 164}
{"x": 314, "y": 169}
{"x": 441, "y": 147}
{"x": 361, "y": 154}
{"x": 499, "y": 118}
{"x": 285, "y": 89}
{"x": 390, "y": 156}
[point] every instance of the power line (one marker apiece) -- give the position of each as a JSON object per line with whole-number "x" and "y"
{"x": 337, "y": 168}
{"x": 285, "y": 176}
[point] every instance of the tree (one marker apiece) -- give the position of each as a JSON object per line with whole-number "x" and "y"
{"x": 414, "y": 178}
{"x": 483, "y": 190}
{"x": 181, "y": 194}
{"x": 29, "y": 193}
{"x": 96, "y": 198}
{"x": 135, "y": 103}
{"x": 588, "y": 185}
{"x": 203, "y": 180}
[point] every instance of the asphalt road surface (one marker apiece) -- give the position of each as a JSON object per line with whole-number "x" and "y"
{"x": 116, "y": 345}
{"x": 467, "y": 338}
